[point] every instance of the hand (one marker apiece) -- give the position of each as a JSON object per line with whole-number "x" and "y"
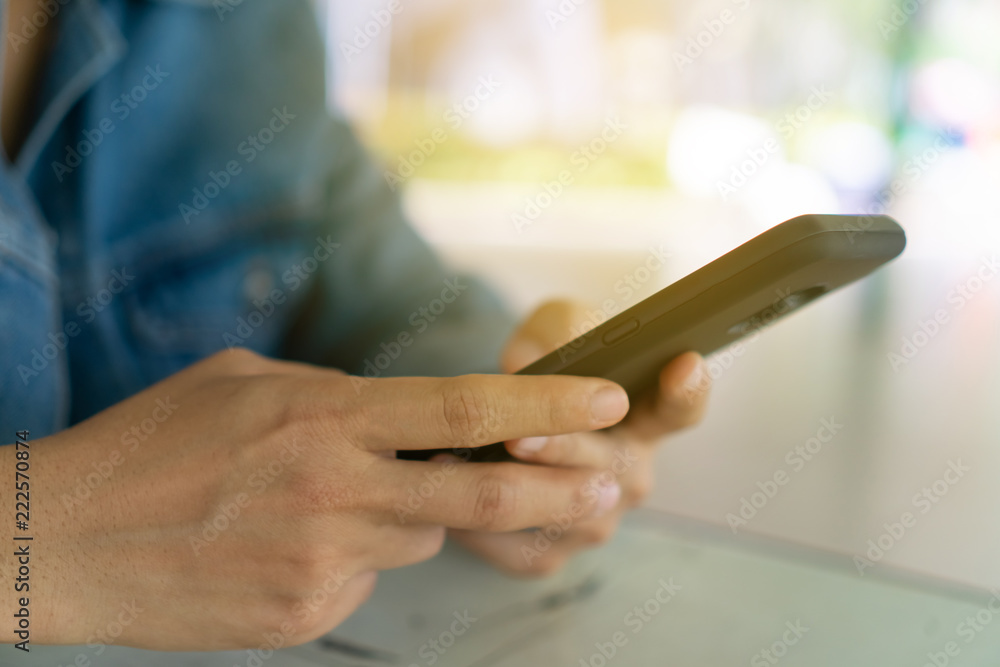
{"x": 624, "y": 454}
{"x": 246, "y": 502}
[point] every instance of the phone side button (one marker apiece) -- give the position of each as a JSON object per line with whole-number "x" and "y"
{"x": 621, "y": 332}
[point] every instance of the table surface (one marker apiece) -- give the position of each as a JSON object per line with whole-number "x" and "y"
{"x": 662, "y": 593}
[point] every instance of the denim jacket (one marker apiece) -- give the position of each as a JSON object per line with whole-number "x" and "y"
{"x": 186, "y": 190}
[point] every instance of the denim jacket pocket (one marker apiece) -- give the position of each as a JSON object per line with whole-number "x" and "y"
{"x": 236, "y": 292}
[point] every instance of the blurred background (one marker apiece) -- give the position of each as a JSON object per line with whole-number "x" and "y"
{"x": 852, "y": 94}
{"x": 553, "y": 146}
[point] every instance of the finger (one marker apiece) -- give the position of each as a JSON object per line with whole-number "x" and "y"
{"x": 476, "y": 410}
{"x": 680, "y": 402}
{"x": 684, "y": 387}
{"x": 539, "y": 552}
{"x": 492, "y": 497}
{"x": 574, "y": 450}
{"x": 549, "y": 327}
{"x": 392, "y": 545}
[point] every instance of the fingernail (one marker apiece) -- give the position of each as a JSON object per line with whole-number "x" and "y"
{"x": 528, "y": 446}
{"x": 694, "y": 379}
{"x": 609, "y": 405}
{"x": 607, "y": 498}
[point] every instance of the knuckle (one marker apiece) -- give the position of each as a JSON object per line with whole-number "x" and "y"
{"x": 496, "y": 503}
{"x": 301, "y": 415}
{"x": 290, "y": 598}
{"x": 300, "y": 565}
{"x": 260, "y": 424}
{"x": 466, "y": 410}
{"x": 238, "y": 359}
{"x": 297, "y": 614}
{"x": 306, "y": 415}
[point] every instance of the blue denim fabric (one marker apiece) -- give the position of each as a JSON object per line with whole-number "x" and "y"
{"x": 186, "y": 190}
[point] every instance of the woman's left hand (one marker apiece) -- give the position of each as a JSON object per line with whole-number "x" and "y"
{"x": 623, "y": 454}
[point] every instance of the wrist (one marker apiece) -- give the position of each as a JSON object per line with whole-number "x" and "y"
{"x": 43, "y": 585}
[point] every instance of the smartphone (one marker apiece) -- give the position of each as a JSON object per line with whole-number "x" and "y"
{"x": 735, "y": 296}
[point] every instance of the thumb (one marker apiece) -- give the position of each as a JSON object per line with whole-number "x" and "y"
{"x": 552, "y": 325}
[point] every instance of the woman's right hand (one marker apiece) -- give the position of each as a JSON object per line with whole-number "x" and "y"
{"x": 245, "y": 501}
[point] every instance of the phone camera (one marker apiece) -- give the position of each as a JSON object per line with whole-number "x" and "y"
{"x": 778, "y": 309}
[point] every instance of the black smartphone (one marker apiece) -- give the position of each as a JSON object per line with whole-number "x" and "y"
{"x": 736, "y": 295}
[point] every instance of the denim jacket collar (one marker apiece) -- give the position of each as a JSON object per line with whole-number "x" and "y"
{"x": 80, "y": 57}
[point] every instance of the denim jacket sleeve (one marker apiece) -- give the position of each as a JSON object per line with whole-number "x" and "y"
{"x": 384, "y": 304}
